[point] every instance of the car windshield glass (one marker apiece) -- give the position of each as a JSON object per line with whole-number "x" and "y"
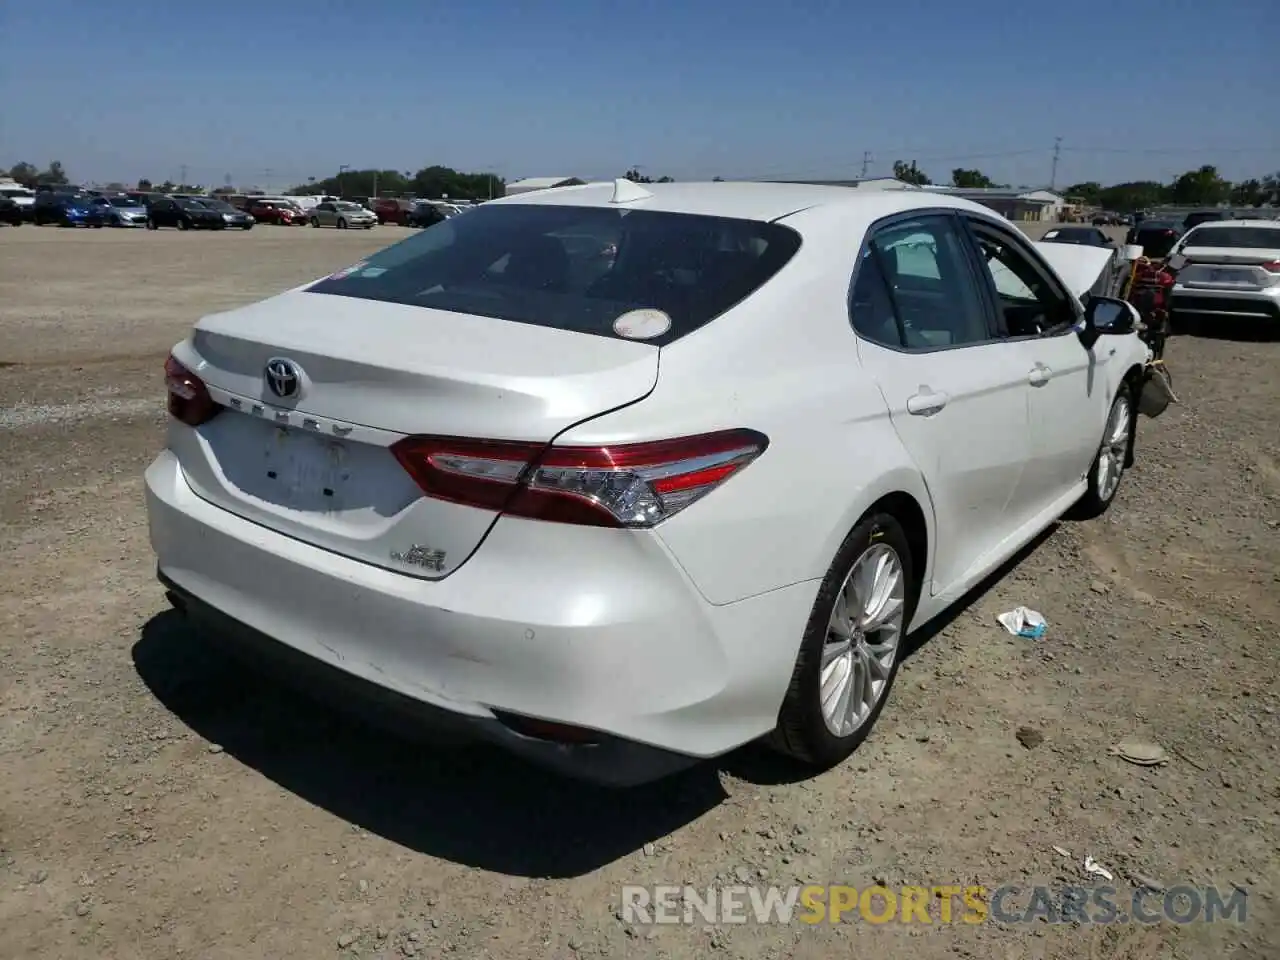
{"x": 576, "y": 268}
{"x": 190, "y": 204}
{"x": 220, "y": 205}
{"x": 124, "y": 202}
{"x": 1245, "y": 238}
{"x": 348, "y": 206}
{"x": 1157, "y": 225}
{"x": 9, "y": 192}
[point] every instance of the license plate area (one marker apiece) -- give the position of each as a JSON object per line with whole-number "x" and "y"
{"x": 295, "y": 472}
{"x": 307, "y": 472}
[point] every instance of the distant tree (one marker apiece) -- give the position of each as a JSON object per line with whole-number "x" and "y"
{"x": 144, "y": 184}
{"x": 636, "y": 177}
{"x": 115, "y": 186}
{"x": 666, "y": 179}
{"x": 971, "y": 179}
{"x": 1089, "y": 191}
{"x": 1247, "y": 193}
{"x": 25, "y": 173}
{"x": 222, "y": 191}
{"x": 167, "y": 187}
{"x": 1201, "y": 187}
{"x": 1270, "y": 192}
{"x": 1135, "y": 195}
{"x": 54, "y": 174}
{"x": 910, "y": 173}
{"x": 717, "y": 179}
{"x": 434, "y": 181}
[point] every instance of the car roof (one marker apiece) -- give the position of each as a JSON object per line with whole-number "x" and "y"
{"x": 1263, "y": 224}
{"x": 748, "y": 201}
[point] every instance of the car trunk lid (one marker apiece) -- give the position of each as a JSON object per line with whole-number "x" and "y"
{"x": 316, "y": 465}
{"x": 1229, "y": 268}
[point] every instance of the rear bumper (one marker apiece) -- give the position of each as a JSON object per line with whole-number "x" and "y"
{"x": 595, "y": 629}
{"x": 1260, "y": 304}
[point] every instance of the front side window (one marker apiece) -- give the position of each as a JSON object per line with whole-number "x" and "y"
{"x": 914, "y": 288}
{"x": 576, "y": 268}
{"x": 1030, "y": 303}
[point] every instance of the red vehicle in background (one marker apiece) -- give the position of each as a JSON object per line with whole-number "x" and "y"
{"x": 277, "y": 212}
{"x": 393, "y": 210}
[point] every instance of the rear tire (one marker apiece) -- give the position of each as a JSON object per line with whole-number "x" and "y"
{"x": 342, "y": 223}
{"x": 830, "y": 709}
{"x": 183, "y": 225}
{"x": 315, "y": 221}
{"x": 1113, "y": 456}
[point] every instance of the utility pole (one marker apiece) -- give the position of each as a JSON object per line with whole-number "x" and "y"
{"x": 375, "y": 186}
{"x": 1053, "y": 176}
{"x": 182, "y": 177}
{"x": 266, "y": 180}
{"x": 866, "y": 162}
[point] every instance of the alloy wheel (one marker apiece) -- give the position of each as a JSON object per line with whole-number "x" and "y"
{"x": 862, "y": 639}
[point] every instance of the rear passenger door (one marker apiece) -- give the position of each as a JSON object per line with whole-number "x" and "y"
{"x": 957, "y": 399}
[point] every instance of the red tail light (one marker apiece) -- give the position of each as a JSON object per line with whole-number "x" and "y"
{"x": 627, "y": 485}
{"x": 189, "y": 399}
{"x": 1272, "y": 267}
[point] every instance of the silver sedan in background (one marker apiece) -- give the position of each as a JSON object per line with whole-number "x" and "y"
{"x": 341, "y": 214}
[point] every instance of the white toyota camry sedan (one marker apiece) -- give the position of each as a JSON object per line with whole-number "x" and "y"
{"x": 621, "y": 477}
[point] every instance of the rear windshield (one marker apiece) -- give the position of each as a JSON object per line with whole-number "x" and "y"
{"x": 1246, "y": 238}
{"x": 575, "y": 268}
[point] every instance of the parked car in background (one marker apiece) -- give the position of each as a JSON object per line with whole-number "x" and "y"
{"x": 10, "y": 212}
{"x": 1229, "y": 268}
{"x": 233, "y": 217}
{"x": 183, "y": 213}
{"x": 121, "y": 211}
{"x": 277, "y": 212}
{"x": 1205, "y": 216}
{"x": 341, "y": 214}
{"x": 67, "y": 209}
{"x": 23, "y": 198}
{"x": 425, "y": 214}
{"x": 393, "y": 210}
{"x": 1156, "y": 237}
{"x": 583, "y": 501}
{"x": 1085, "y": 236}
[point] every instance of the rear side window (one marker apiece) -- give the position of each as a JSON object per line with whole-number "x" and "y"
{"x": 576, "y": 268}
{"x": 1244, "y": 238}
{"x": 915, "y": 289}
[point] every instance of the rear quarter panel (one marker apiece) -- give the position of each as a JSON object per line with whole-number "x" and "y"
{"x": 785, "y": 363}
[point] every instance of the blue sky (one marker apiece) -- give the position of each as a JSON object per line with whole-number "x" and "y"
{"x": 121, "y": 90}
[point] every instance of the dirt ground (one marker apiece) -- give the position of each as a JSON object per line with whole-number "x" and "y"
{"x": 158, "y": 801}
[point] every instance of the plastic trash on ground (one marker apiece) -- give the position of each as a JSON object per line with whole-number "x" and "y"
{"x": 1024, "y": 622}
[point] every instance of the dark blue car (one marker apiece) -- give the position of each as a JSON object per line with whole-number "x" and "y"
{"x": 68, "y": 210}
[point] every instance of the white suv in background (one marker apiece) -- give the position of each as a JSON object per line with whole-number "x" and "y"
{"x": 1229, "y": 268}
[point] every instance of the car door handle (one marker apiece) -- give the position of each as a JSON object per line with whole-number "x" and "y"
{"x": 926, "y": 403}
{"x": 1039, "y": 375}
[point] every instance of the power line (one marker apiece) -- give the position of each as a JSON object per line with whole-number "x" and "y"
{"x": 1057, "y": 151}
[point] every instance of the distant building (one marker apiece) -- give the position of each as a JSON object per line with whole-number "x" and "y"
{"x": 541, "y": 183}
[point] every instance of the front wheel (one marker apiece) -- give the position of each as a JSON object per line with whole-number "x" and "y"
{"x": 849, "y": 654}
{"x": 342, "y": 223}
{"x": 1112, "y": 458}
{"x": 183, "y": 225}
{"x": 315, "y": 221}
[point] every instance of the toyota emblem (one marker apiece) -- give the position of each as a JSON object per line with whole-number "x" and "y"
{"x": 283, "y": 377}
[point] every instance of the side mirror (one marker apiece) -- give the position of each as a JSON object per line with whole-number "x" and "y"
{"x": 1176, "y": 262}
{"x": 1108, "y": 316}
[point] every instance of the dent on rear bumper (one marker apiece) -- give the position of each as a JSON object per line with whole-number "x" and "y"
{"x": 595, "y": 628}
